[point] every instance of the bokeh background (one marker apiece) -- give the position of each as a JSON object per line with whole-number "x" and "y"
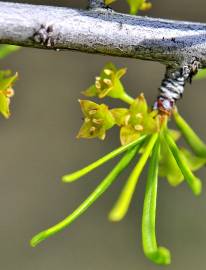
{"x": 38, "y": 146}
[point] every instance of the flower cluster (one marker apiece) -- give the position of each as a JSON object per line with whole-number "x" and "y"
{"x": 134, "y": 121}
{"x": 97, "y": 119}
{"x": 143, "y": 132}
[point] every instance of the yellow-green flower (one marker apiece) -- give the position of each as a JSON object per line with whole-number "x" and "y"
{"x": 108, "y": 83}
{"x": 135, "y": 121}
{"x": 97, "y": 119}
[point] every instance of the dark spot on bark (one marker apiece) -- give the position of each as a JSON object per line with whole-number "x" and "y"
{"x": 120, "y": 25}
{"x": 44, "y": 36}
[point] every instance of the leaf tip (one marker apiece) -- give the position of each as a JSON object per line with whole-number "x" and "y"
{"x": 161, "y": 256}
{"x": 197, "y": 187}
{"x": 37, "y": 239}
{"x": 115, "y": 216}
{"x": 66, "y": 178}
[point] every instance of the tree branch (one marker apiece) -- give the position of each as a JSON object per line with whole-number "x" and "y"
{"x": 102, "y": 31}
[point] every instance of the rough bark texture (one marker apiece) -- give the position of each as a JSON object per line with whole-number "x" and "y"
{"x": 96, "y": 4}
{"x": 102, "y": 31}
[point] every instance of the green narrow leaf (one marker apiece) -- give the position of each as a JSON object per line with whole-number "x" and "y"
{"x": 74, "y": 176}
{"x": 101, "y": 188}
{"x": 120, "y": 208}
{"x": 193, "y": 182}
{"x": 190, "y": 136}
{"x": 167, "y": 164}
{"x": 159, "y": 255}
{"x": 194, "y": 162}
{"x": 5, "y": 50}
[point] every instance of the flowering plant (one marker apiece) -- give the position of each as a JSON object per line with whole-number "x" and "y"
{"x": 145, "y": 132}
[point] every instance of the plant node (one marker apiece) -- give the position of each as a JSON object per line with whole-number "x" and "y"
{"x": 172, "y": 86}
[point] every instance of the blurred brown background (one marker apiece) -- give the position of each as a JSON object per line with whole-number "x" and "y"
{"x": 38, "y": 146}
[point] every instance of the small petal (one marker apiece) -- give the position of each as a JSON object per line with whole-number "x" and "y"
{"x": 119, "y": 115}
{"x": 97, "y": 121}
{"x": 107, "y": 81}
{"x": 92, "y": 112}
{"x": 127, "y": 118}
{"x": 98, "y": 84}
{"x": 128, "y": 134}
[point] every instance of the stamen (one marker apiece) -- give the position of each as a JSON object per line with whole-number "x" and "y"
{"x": 92, "y": 130}
{"x": 98, "y": 84}
{"x": 108, "y": 71}
{"x": 97, "y": 121}
{"x": 108, "y": 82}
{"x": 138, "y": 128}
{"x": 87, "y": 120}
{"x": 93, "y": 111}
{"x": 127, "y": 118}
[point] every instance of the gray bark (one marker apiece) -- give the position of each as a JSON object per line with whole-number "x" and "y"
{"x": 96, "y": 4}
{"x": 102, "y": 31}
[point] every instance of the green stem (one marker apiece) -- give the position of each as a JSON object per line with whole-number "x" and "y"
{"x": 74, "y": 176}
{"x": 100, "y": 189}
{"x": 159, "y": 255}
{"x": 121, "y": 207}
{"x": 126, "y": 98}
{"x": 191, "y": 137}
{"x": 194, "y": 182}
